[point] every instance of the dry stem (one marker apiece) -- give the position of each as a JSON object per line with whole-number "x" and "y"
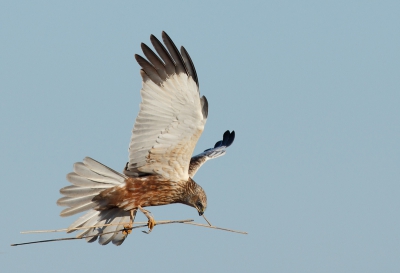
{"x": 188, "y": 221}
{"x": 214, "y": 227}
{"x": 104, "y": 225}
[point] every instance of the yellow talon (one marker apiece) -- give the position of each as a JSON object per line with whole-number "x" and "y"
{"x": 127, "y": 229}
{"x": 151, "y": 224}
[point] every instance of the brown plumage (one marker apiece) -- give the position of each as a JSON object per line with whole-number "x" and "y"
{"x": 160, "y": 169}
{"x": 148, "y": 191}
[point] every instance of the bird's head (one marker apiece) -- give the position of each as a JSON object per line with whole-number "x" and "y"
{"x": 201, "y": 201}
{"x": 196, "y": 197}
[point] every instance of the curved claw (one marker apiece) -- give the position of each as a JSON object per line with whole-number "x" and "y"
{"x": 151, "y": 223}
{"x": 128, "y": 228}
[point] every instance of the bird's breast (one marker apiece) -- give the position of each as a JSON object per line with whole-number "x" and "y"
{"x": 150, "y": 191}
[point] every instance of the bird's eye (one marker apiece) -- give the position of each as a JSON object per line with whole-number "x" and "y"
{"x": 199, "y": 204}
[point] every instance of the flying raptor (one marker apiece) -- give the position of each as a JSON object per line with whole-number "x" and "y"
{"x": 161, "y": 168}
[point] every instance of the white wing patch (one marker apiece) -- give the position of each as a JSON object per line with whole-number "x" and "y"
{"x": 172, "y": 115}
{"x": 167, "y": 128}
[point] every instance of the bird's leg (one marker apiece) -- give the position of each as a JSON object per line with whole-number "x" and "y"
{"x": 128, "y": 228}
{"x": 151, "y": 223}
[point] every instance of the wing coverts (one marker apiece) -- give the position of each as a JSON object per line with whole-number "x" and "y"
{"x": 172, "y": 115}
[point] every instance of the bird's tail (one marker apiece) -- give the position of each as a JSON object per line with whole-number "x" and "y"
{"x": 88, "y": 180}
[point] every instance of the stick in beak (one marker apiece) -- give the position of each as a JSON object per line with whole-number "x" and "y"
{"x": 206, "y": 220}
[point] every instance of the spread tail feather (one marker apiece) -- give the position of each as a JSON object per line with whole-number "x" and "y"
{"x": 88, "y": 180}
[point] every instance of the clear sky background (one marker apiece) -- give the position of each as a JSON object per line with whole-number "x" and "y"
{"x": 312, "y": 89}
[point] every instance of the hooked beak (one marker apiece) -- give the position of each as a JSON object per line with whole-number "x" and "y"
{"x": 201, "y": 212}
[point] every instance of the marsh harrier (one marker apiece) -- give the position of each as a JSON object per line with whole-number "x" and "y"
{"x": 160, "y": 170}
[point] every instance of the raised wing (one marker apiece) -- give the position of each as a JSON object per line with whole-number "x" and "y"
{"x": 172, "y": 115}
{"x": 219, "y": 150}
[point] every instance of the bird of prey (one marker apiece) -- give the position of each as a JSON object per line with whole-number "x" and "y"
{"x": 160, "y": 170}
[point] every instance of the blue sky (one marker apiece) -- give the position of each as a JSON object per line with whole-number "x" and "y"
{"x": 310, "y": 87}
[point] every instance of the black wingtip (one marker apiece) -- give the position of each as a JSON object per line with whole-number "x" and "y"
{"x": 219, "y": 143}
{"x": 180, "y": 65}
{"x": 189, "y": 65}
{"x": 204, "y": 106}
{"x": 232, "y": 138}
{"x": 227, "y": 139}
{"x": 226, "y": 136}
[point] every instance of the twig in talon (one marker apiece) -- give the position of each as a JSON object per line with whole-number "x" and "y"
{"x": 161, "y": 222}
{"x": 84, "y": 237}
{"x": 189, "y": 222}
{"x": 74, "y": 229}
{"x": 72, "y": 238}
